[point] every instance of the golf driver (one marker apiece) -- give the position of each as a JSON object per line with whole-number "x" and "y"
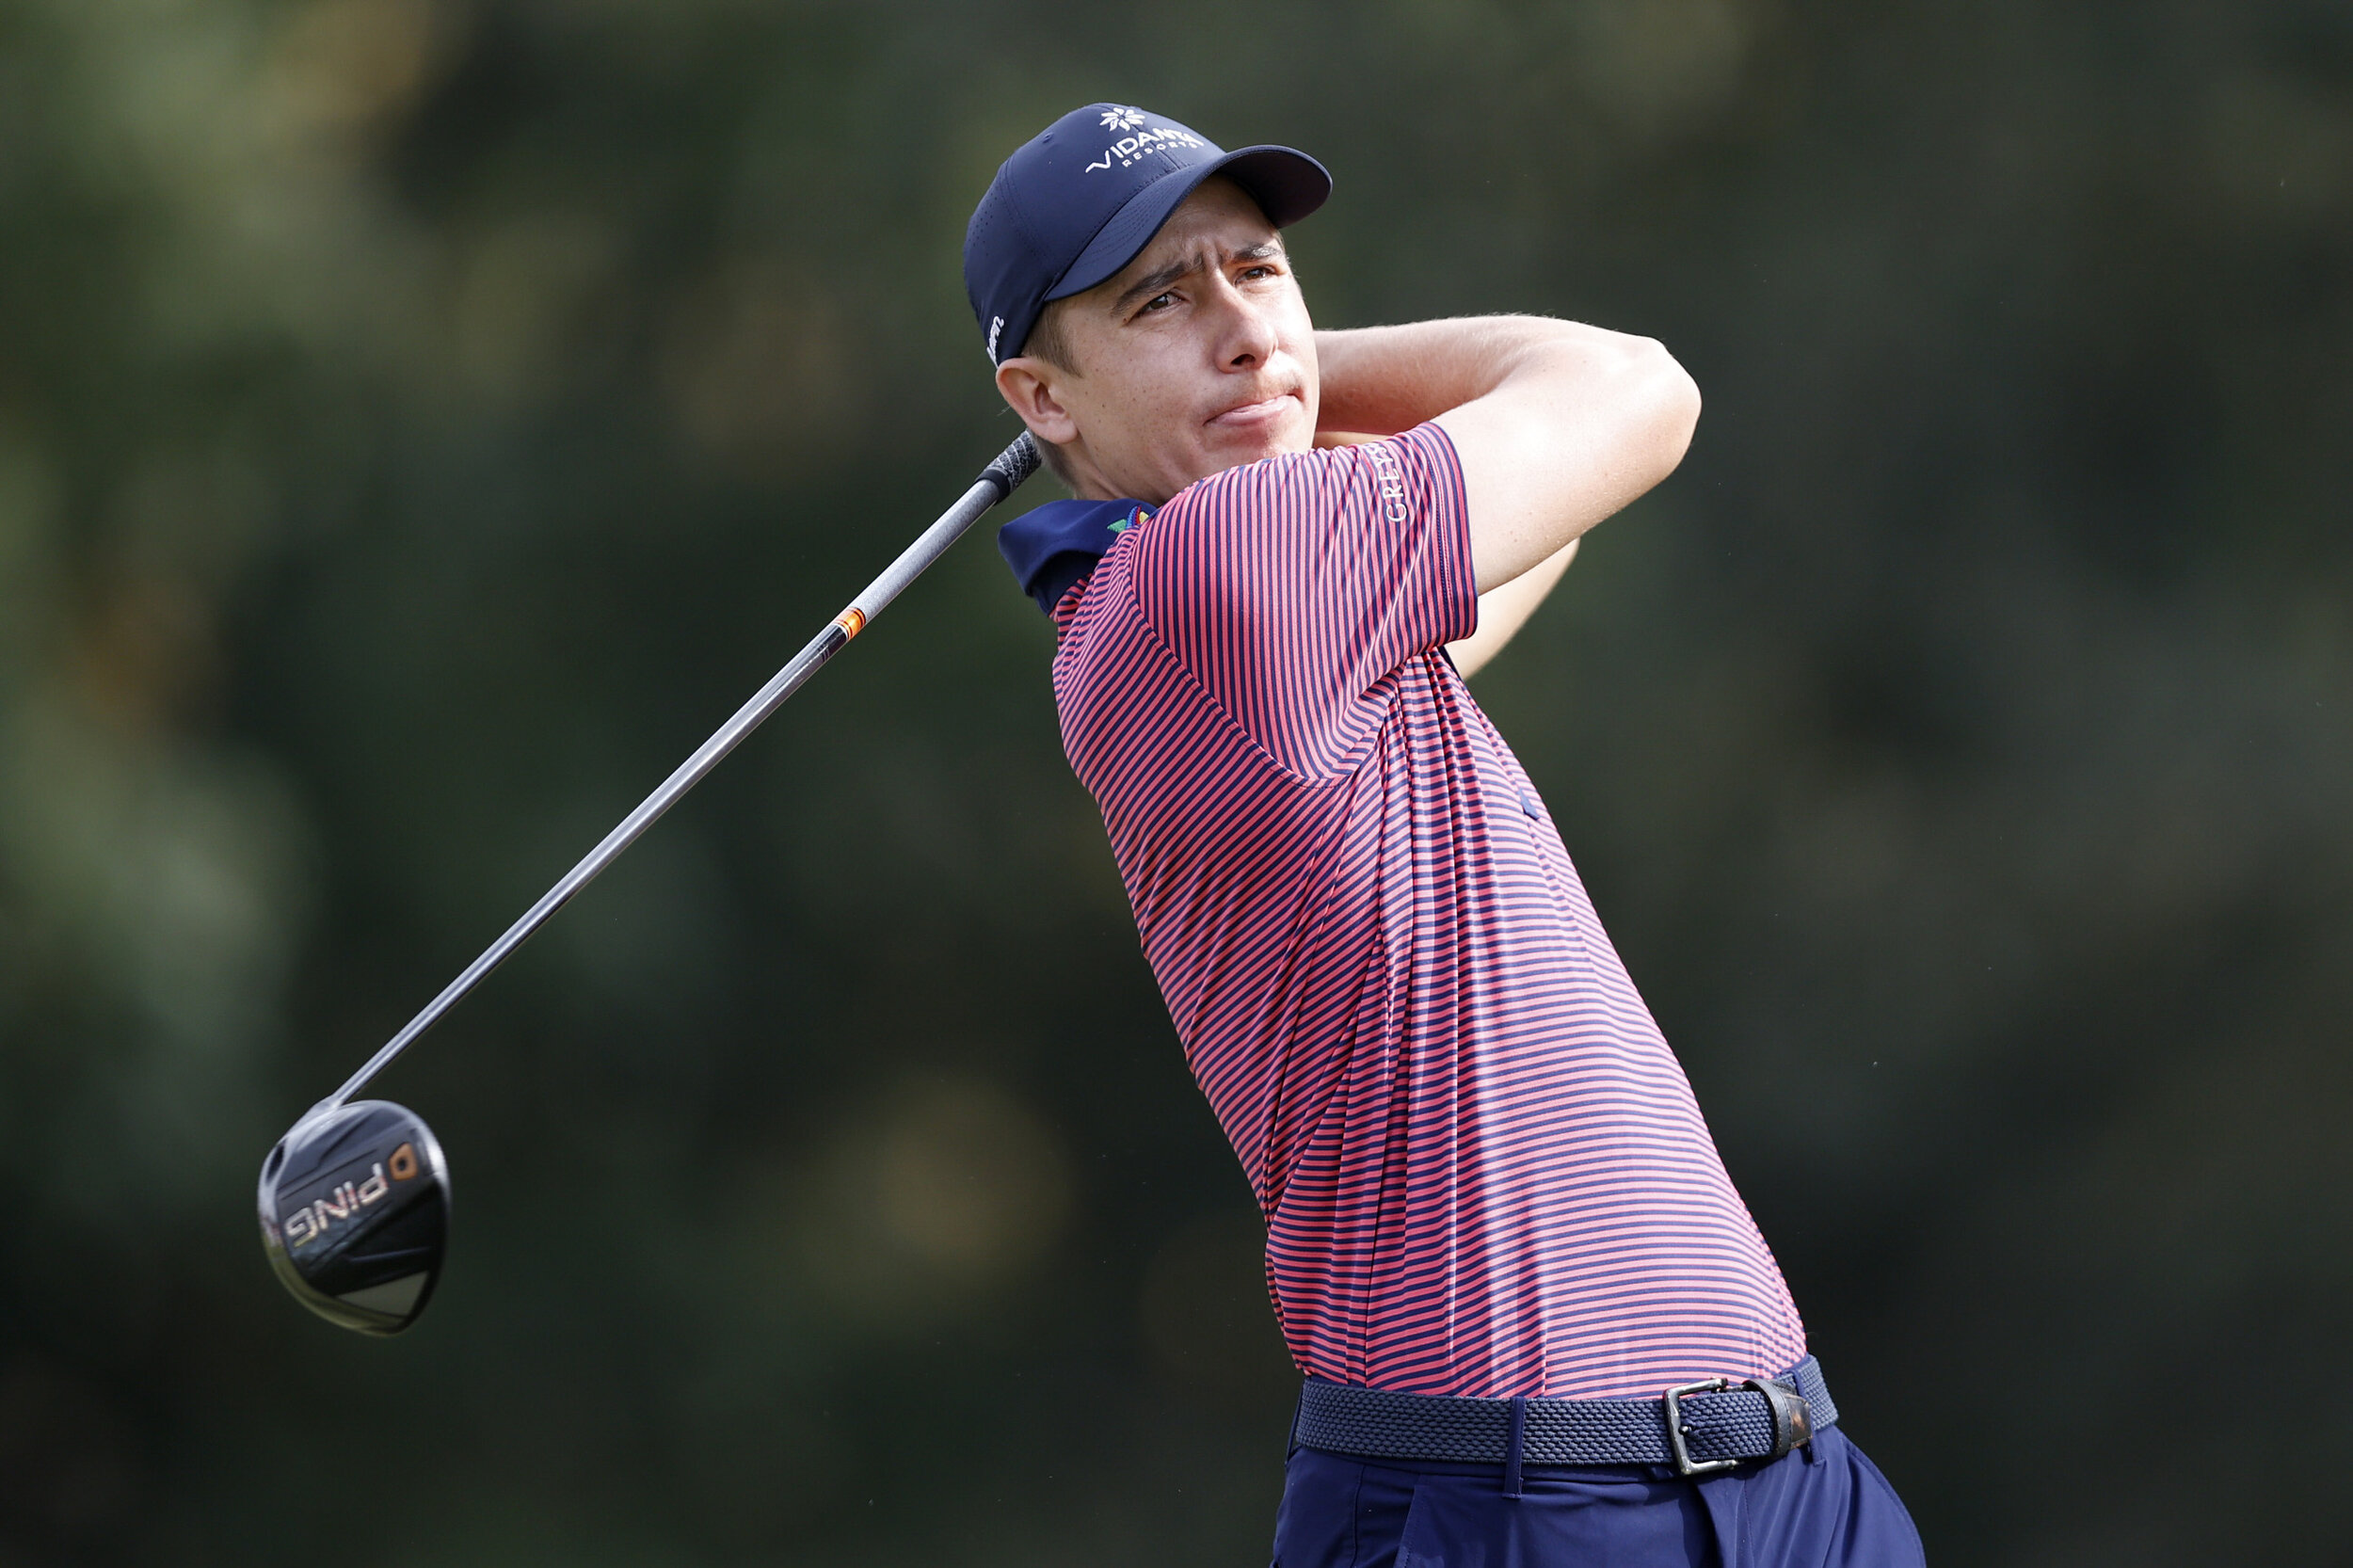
{"x": 355, "y": 1197}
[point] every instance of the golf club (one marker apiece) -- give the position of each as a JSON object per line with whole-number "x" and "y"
{"x": 355, "y": 1198}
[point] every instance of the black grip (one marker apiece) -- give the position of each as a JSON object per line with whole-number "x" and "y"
{"x": 1013, "y": 466}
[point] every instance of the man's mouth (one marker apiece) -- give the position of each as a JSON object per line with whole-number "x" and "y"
{"x": 1263, "y": 410}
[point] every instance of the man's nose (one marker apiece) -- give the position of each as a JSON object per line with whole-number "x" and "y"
{"x": 1246, "y": 335}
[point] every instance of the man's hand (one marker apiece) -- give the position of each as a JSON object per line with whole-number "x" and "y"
{"x": 1558, "y": 424}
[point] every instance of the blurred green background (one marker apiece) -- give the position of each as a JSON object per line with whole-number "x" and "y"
{"x": 423, "y": 421}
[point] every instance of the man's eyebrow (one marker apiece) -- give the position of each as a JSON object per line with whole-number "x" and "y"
{"x": 1160, "y": 278}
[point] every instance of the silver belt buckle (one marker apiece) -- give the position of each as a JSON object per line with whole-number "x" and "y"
{"x": 1676, "y": 1444}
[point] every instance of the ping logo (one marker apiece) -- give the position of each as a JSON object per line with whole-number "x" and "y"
{"x": 310, "y": 1224}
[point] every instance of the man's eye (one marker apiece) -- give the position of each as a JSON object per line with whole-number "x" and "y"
{"x": 1157, "y": 302}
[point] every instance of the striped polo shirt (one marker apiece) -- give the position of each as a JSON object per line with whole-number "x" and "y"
{"x": 1481, "y": 1168}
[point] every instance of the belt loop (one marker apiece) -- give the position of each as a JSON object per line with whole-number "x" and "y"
{"x": 1514, "y": 1449}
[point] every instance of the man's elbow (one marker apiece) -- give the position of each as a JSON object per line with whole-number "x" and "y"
{"x": 1669, "y": 401}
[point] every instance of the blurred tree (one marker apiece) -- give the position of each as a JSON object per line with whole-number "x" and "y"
{"x": 420, "y": 421}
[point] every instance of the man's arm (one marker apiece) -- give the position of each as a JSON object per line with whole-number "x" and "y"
{"x": 1503, "y": 610}
{"x": 1556, "y": 424}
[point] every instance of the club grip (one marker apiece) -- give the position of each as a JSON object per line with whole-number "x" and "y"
{"x": 1013, "y": 466}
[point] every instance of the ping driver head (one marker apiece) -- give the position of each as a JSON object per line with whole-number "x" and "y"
{"x": 355, "y": 1214}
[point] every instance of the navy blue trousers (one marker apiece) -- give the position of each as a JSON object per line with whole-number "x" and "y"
{"x": 1825, "y": 1506}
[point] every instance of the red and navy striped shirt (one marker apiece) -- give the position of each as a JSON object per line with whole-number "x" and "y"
{"x": 1481, "y": 1168}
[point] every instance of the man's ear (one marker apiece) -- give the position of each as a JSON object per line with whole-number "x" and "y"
{"x": 1029, "y": 386}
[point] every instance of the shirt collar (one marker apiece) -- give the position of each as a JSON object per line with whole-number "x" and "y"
{"x": 1050, "y": 550}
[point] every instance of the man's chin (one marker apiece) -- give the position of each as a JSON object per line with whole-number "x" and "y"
{"x": 1235, "y": 448}
{"x": 1258, "y": 441}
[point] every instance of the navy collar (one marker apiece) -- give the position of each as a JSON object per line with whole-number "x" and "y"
{"x": 1050, "y": 550}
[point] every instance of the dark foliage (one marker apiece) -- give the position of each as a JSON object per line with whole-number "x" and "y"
{"x": 422, "y": 421}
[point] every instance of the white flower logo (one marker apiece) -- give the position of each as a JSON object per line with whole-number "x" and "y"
{"x": 1121, "y": 119}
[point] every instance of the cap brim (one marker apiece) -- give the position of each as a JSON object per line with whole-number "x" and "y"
{"x": 1287, "y": 185}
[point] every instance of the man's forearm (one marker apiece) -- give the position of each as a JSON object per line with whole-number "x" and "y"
{"x": 1383, "y": 379}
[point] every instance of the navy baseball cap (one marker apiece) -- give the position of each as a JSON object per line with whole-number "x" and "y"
{"x": 1080, "y": 199}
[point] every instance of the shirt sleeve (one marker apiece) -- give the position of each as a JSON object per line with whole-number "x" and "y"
{"x": 1294, "y": 589}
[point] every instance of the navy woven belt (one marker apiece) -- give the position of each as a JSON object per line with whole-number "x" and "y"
{"x": 1699, "y": 1428}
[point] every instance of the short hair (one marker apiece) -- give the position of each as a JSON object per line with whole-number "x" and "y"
{"x": 1047, "y": 340}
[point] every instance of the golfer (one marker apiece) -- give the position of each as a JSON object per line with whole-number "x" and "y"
{"x": 1537, "y": 1323}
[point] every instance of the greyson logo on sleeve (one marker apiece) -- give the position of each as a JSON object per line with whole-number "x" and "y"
{"x": 1389, "y": 479}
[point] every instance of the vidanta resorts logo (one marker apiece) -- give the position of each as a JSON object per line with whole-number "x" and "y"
{"x": 1142, "y": 140}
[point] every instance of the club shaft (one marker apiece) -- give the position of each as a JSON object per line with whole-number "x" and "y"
{"x": 998, "y": 481}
